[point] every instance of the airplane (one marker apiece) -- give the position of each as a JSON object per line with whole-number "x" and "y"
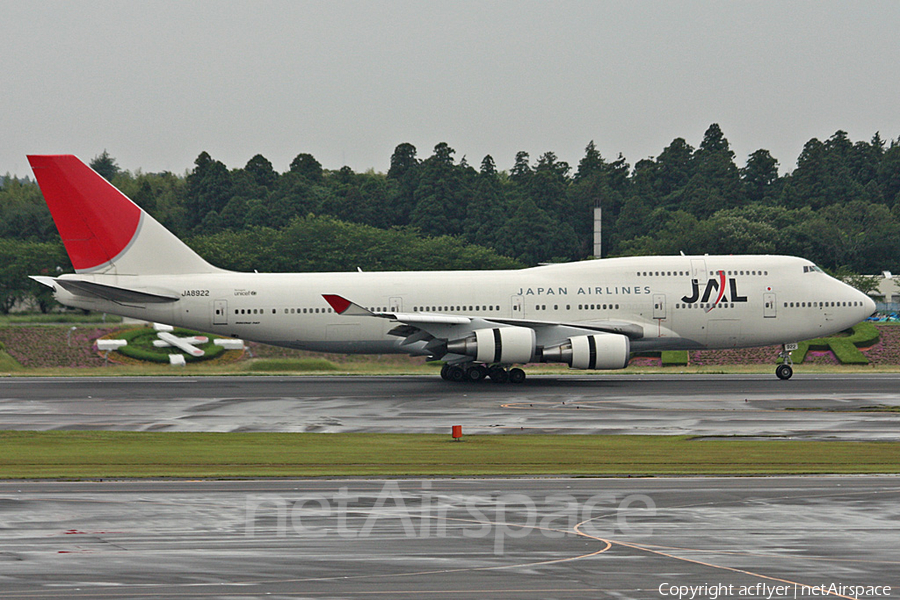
{"x": 589, "y": 315}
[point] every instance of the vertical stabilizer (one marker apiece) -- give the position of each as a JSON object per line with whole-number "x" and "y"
{"x": 104, "y": 231}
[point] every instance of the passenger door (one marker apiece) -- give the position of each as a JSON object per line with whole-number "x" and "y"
{"x": 769, "y": 306}
{"x": 220, "y": 312}
{"x": 659, "y": 306}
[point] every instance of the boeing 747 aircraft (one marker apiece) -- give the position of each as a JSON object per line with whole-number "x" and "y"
{"x": 588, "y": 315}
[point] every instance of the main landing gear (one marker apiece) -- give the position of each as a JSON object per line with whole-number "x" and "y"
{"x": 786, "y": 368}
{"x": 478, "y": 372}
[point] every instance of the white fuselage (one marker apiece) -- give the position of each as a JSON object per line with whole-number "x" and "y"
{"x": 680, "y": 302}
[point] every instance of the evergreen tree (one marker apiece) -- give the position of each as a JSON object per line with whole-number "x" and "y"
{"x": 307, "y": 166}
{"x": 715, "y": 184}
{"x": 759, "y": 176}
{"x": 105, "y": 165}
{"x": 404, "y": 172}
{"x": 261, "y": 172}
{"x": 591, "y": 164}
{"x": 888, "y": 175}
{"x": 674, "y": 169}
{"x": 521, "y": 170}
{"x": 208, "y": 189}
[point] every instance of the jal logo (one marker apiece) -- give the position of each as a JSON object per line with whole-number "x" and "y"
{"x": 714, "y": 286}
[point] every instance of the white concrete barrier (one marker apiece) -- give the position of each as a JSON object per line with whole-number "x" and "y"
{"x": 107, "y": 345}
{"x": 229, "y": 344}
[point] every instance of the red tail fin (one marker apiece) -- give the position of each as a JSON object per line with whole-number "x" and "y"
{"x": 96, "y": 221}
{"x": 104, "y": 231}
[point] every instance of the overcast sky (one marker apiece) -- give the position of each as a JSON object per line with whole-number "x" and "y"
{"x": 155, "y": 83}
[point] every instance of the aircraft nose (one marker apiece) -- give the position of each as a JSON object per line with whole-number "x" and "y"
{"x": 869, "y": 305}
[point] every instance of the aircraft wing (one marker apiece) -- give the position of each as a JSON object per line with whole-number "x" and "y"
{"x": 630, "y": 330}
{"x": 429, "y": 333}
{"x": 345, "y": 307}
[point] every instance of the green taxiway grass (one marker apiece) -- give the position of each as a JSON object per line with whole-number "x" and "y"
{"x": 106, "y": 454}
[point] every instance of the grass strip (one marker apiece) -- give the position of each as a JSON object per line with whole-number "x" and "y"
{"x": 291, "y": 365}
{"x": 57, "y": 317}
{"x": 105, "y": 454}
{"x": 674, "y": 358}
{"x": 7, "y": 363}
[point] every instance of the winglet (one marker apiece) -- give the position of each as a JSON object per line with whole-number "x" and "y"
{"x": 342, "y": 306}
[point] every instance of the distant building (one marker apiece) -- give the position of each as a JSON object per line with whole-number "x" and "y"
{"x": 887, "y": 294}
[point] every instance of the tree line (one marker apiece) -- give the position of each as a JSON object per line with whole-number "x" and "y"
{"x": 839, "y": 207}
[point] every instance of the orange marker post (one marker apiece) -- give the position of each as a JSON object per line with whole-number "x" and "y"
{"x": 457, "y": 432}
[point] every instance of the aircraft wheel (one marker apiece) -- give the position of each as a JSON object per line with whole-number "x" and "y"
{"x": 498, "y": 375}
{"x": 475, "y": 373}
{"x": 784, "y": 371}
{"x": 456, "y": 374}
{"x": 445, "y": 372}
{"x": 516, "y": 375}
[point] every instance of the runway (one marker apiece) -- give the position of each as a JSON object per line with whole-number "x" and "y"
{"x": 460, "y": 538}
{"x": 806, "y": 407}
{"x": 540, "y": 538}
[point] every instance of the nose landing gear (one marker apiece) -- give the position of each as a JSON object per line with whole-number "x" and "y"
{"x": 784, "y": 371}
{"x": 786, "y": 368}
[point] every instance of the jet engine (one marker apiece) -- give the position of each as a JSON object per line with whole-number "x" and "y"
{"x": 598, "y": 351}
{"x": 501, "y": 345}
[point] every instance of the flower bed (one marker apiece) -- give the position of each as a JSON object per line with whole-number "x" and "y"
{"x": 736, "y": 356}
{"x": 887, "y": 350}
{"x": 38, "y": 347}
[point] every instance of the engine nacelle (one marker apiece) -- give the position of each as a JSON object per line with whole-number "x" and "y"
{"x": 501, "y": 345}
{"x": 598, "y": 351}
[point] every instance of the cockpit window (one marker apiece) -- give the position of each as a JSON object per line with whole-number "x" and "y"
{"x": 812, "y": 269}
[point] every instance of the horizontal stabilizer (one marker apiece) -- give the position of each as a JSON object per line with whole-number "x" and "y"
{"x": 44, "y": 280}
{"x": 112, "y": 293}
